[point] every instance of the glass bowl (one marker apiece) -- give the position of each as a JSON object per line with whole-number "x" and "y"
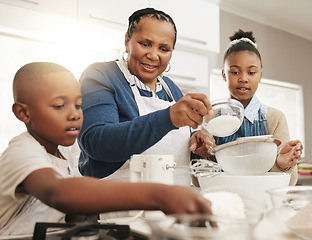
{"x": 236, "y": 203}
{"x": 292, "y": 207}
{"x": 199, "y": 227}
{"x": 227, "y": 117}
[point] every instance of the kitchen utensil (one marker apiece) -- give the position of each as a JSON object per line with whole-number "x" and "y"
{"x": 160, "y": 168}
{"x": 228, "y": 115}
{"x": 292, "y": 208}
{"x": 247, "y": 155}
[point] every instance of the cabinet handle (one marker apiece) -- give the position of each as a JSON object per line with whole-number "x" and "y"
{"x": 32, "y": 1}
{"x": 192, "y": 40}
{"x": 173, "y": 75}
{"x": 92, "y": 16}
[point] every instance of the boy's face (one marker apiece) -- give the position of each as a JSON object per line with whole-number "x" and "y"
{"x": 55, "y": 115}
{"x": 243, "y": 72}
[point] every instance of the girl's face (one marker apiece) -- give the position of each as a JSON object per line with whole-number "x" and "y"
{"x": 56, "y": 117}
{"x": 150, "y": 49}
{"x": 243, "y": 72}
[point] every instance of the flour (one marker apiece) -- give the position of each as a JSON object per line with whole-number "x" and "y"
{"x": 226, "y": 204}
{"x": 222, "y": 126}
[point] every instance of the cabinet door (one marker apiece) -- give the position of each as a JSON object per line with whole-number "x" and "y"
{"x": 197, "y": 23}
{"x": 189, "y": 69}
{"x": 63, "y": 7}
{"x": 109, "y": 12}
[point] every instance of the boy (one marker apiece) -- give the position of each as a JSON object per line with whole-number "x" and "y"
{"x": 36, "y": 181}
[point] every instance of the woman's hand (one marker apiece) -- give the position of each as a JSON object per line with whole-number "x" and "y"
{"x": 201, "y": 143}
{"x": 190, "y": 110}
{"x": 290, "y": 154}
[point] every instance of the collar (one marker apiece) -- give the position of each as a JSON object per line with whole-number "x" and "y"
{"x": 142, "y": 86}
{"x": 252, "y": 109}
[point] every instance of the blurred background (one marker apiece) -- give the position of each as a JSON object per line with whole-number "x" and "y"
{"x": 76, "y": 33}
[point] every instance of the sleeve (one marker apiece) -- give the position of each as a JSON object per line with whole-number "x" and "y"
{"x": 113, "y": 130}
{"x": 278, "y": 127}
{"x": 20, "y": 159}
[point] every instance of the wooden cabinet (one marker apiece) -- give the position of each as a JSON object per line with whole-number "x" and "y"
{"x": 63, "y": 7}
{"x": 197, "y": 23}
{"x": 109, "y": 12}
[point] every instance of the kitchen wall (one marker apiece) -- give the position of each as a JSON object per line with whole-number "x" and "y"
{"x": 285, "y": 57}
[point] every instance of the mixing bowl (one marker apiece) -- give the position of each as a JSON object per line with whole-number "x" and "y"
{"x": 292, "y": 206}
{"x": 236, "y": 203}
{"x": 258, "y": 184}
{"x": 247, "y": 155}
{"x": 236, "y": 211}
{"x": 228, "y": 115}
{"x": 199, "y": 227}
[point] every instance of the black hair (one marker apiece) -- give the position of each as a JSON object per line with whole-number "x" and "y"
{"x": 242, "y": 45}
{"x": 35, "y": 69}
{"x": 135, "y": 18}
{"x": 40, "y": 68}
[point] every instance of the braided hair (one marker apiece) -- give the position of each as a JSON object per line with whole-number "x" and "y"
{"x": 135, "y": 18}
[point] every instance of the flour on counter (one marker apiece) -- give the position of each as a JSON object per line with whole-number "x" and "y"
{"x": 226, "y": 204}
{"x": 223, "y": 125}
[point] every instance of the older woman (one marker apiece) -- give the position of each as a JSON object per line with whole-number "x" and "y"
{"x": 131, "y": 108}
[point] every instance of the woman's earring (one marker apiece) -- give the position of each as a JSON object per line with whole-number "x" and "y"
{"x": 167, "y": 70}
{"x": 123, "y": 56}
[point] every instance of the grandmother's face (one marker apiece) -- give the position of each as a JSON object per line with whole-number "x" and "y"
{"x": 150, "y": 49}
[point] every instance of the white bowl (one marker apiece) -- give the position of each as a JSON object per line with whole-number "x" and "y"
{"x": 292, "y": 207}
{"x": 227, "y": 117}
{"x": 247, "y": 156}
{"x": 258, "y": 184}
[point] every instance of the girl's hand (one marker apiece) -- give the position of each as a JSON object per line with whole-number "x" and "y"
{"x": 201, "y": 143}
{"x": 290, "y": 154}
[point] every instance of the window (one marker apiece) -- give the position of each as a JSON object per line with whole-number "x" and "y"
{"x": 286, "y": 97}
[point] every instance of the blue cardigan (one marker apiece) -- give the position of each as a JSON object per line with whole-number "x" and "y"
{"x": 112, "y": 130}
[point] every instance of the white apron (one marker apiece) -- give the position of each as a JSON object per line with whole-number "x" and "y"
{"x": 176, "y": 142}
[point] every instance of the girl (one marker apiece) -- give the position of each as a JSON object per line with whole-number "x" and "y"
{"x": 242, "y": 70}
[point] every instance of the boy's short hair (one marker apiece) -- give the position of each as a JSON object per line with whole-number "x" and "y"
{"x": 33, "y": 71}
